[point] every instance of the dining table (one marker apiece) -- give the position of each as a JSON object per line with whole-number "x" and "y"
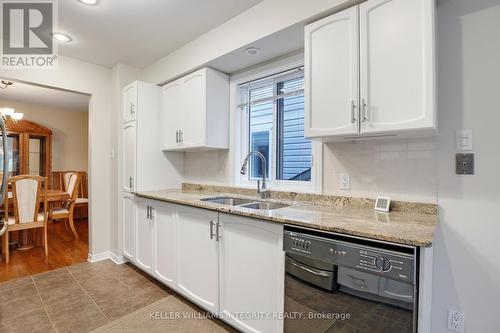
{"x": 53, "y": 197}
{"x": 56, "y": 196}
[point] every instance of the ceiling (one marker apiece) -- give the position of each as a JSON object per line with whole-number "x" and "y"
{"x": 42, "y": 96}
{"x": 271, "y": 47}
{"x": 138, "y": 33}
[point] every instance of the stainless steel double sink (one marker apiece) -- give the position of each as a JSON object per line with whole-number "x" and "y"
{"x": 245, "y": 203}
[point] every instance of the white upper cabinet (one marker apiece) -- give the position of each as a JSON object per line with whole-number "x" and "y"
{"x": 171, "y": 122}
{"x": 195, "y": 112}
{"x": 397, "y": 65}
{"x": 129, "y": 102}
{"x": 194, "y": 118}
{"x": 384, "y": 87}
{"x": 331, "y": 57}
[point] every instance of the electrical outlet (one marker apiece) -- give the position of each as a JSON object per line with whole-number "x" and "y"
{"x": 345, "y": 181}
{"x": 456, "y": 321}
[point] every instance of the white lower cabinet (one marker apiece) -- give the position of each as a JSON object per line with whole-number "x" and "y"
{"x": 144, "y": 231}
{"x": 197, "y": 256}
{"x": 251, "y": 273}
{"x": 227, "y": 264}
{"x": 164, "y": 243}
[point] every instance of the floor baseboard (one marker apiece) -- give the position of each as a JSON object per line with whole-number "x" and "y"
{"x": 107, "y": 255}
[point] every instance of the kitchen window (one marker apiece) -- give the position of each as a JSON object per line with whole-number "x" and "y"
{"x": 273, "y": 124}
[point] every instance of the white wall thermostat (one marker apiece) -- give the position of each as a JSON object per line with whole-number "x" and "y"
{"x": 383, "y": 204}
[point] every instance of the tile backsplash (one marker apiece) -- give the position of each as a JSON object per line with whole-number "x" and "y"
{"x": 403, "y": 169}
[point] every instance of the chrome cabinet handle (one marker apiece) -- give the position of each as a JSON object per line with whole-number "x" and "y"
{"x": 151, "y": 213}
{"x": 217, "y": 232}
{"x": 131, "y": 182}
{"x": 364, "y": 110}
{"x": 180, "y": 136}
{"x": 177, "y": 136}
{"x": 132, "y": 108}
{"x": 212, "y": 230}
{"x": 353, "y": 112}
{"x": 147, "y": 212}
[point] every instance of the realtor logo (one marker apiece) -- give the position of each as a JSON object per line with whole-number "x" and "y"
{"x": 27, "y": 28}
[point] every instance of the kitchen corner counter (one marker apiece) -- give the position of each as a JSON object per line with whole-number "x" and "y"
{"x": 408, "y": 227}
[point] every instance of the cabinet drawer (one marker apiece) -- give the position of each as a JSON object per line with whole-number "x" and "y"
{"x": 359, "y": 281}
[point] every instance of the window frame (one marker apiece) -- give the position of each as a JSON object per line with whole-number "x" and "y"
{"x": 242, "y": 135}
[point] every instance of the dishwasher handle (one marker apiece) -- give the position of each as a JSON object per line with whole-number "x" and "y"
{"x": 310, "y": 270}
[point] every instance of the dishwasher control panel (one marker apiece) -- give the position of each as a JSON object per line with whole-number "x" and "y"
{"x": 389, "y": 263}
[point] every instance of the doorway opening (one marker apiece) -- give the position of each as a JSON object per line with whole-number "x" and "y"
{"x": 47, "y": 146}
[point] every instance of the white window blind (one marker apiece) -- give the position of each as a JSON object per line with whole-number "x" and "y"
{"x": 261, "y": 90}
{"x": 274, "y": 120}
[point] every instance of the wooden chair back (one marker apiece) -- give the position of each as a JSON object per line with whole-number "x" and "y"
{"x": 59, "y": 182}
{"x": 26, "y": 193}
{"x": 71, "y": 184}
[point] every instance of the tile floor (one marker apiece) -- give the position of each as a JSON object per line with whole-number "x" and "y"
{"x": 83, "y": 297}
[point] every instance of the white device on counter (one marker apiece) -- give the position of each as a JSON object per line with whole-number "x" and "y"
{"x": 383, "y": 204}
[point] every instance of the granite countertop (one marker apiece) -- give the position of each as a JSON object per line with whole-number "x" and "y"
{"x": 409, "y": 227}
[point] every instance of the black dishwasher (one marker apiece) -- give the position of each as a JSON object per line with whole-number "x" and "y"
{"x": 336, "y": 283}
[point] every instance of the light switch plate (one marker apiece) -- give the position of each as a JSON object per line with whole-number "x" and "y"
{"x": 464, "y": 164}
{"x": 463, "y": 140}
{"x": 345, "y": 181}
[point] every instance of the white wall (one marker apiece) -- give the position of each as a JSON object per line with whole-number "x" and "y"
{"x": 70, "y": 150}
{"x": 466, "y": 265}
{"x": 94, "y": 80}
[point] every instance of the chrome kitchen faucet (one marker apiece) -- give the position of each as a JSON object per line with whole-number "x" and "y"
{"x": 261, "y": 186}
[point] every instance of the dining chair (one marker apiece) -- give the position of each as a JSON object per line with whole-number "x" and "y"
{"x": 82, "y": 201}
{"x": 27, "y": 192}
{"x": 71, "y": 181}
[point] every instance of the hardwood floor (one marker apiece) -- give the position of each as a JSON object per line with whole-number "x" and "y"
{"x": 64, "y": 250}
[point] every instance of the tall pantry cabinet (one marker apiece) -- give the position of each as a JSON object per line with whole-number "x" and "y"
{"x": 144, "y": 166}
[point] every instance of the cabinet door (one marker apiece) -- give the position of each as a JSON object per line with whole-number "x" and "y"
{"x": 332, "y": 75}
{"x": 397, "y": 71}
{"x": 171, "y": 114}
{"x": 128, "y": 225}
{"x": 194, "y": 116}
{"x": 144, "y": 231}
{"x": 197, "y": 257}
{"x": 164, "y": 243}
{"x": 129, "y": 156}
{"x": 129, "y": 102}
{"x": 251, "y": 272}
